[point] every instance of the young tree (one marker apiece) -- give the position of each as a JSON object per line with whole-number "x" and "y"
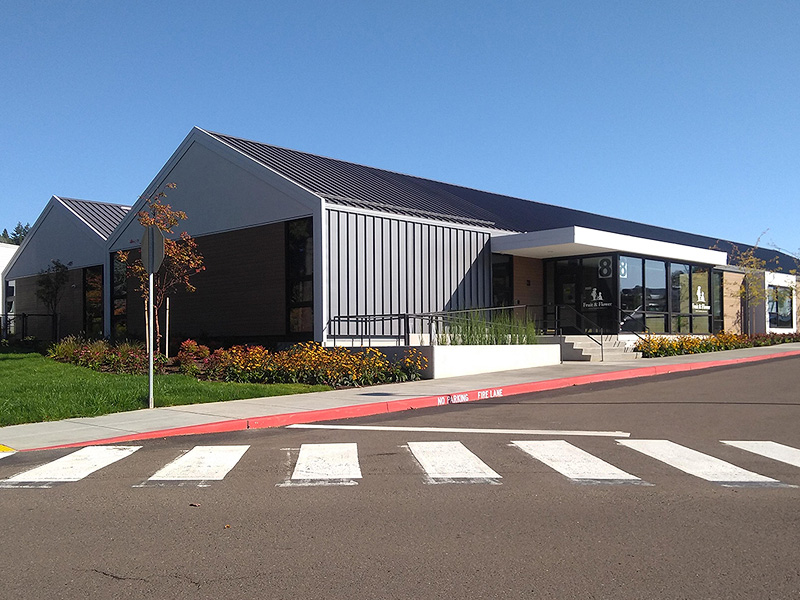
{"x": 752, "y": 290}
{"x": 50, "y": 285}
{"x": 182, "y": 259}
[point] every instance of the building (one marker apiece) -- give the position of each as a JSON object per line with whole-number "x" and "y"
{"x": 73, "y": 232}
{"x": 299, "y": 246}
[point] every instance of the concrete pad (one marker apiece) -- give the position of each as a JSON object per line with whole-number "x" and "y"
{"x": 138, "y": 421}
{"x": 52, "y": 433}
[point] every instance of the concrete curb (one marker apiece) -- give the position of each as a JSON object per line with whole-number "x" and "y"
{"x": 376, "y": 408}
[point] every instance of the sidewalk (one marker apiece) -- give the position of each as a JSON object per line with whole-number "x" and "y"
{"x": 277, "y": 411}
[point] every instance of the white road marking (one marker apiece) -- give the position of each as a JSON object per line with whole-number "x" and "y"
{"x": 202, "y": 463}
{"x": 8, "y": 453}
{"x": 72, "y": 467}
{"x": 327, "y": 463}
{"x": 698, "y": 464}
{"x": 553, "y": 432}
{"x": 448, "y": 462}
{"x": 574, "y": 463}
{"x": 773, "y": 450}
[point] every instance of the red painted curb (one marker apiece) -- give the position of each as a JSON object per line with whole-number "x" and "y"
{"x": 376, "y": 408}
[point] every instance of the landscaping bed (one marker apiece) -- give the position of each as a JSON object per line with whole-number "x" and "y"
{"x": 655, "y": 345}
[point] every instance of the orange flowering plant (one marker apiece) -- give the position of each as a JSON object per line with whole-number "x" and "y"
{"x": 309, "y": 362}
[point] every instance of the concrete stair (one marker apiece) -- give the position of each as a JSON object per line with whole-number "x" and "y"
{"x": 583, "y": 348}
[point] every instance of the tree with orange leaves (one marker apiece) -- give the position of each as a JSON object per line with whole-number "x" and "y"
{"x": 182, "y": 258}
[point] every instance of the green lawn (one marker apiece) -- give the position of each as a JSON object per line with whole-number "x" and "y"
{"x": 34, "y": 388}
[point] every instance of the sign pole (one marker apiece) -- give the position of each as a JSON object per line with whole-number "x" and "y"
{"x": 151, "y": 335}
{"x": 152, "y": 257}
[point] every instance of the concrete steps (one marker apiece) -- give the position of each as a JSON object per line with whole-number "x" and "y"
{"x": 583, "y": 348}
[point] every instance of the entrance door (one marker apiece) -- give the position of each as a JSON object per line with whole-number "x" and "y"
{"x": 583, "y": 289}
{"x": 567, "y": 273}
{"x": 597, "y": 292}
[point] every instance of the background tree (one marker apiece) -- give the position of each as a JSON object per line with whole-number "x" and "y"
{"x": 182, "y": 258}
{"x": 17, "y": 235}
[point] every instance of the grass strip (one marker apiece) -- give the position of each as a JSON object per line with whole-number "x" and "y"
{"x": 34, "y": 388}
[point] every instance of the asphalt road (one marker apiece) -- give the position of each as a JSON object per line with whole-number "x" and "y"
{"x": 530, "y": 533}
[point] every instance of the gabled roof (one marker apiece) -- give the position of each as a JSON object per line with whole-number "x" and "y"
{"x": 349, "y": 184}
{"x": 100, "y": 217}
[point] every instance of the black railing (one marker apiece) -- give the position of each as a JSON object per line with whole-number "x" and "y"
{"x": 24, "y": 325}
{"x": 512, "y": 322}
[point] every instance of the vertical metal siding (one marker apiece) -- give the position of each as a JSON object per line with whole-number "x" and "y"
{"x": 383, "y": 265}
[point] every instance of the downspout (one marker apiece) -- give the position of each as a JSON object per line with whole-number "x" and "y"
{"x": 320, "y": 233}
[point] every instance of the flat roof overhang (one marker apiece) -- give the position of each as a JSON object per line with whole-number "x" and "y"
{"x": 576, "y": 241}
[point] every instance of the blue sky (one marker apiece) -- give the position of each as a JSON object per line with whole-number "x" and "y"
{"x": 680, "y": 114}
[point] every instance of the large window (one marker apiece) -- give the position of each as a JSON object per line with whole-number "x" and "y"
{"x": 119, "y": 299}
{"x": 93, "y": 302}
{"x": 779, "y": 307}
{"x": 640, "y": 294}
{"x": 701, "y": 299}
{"x": 502, "y": 280}
{"x": 631, "y": 300}
{"x": 300, "y": 275}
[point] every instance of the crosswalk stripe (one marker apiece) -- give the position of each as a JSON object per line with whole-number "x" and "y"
{"x": 773, "y": 450}
{"x": 574, "y": 463}
{"x": 698, "y": 464}
{"x": 321, "y": 462}
{"x": 72, "y": 467}
{"x": 446, "y": 461}
{"x": 202, "y": 463}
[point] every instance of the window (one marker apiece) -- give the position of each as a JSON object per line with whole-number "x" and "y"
{"x": 655, "y": 278}
{"x": 679, "y": 275}
{"x": 300, "y": 276}
{"x": 779, "y": 307}
{"x": 119, "y": 300}
{"x": 631, "y": 301}
{"x": 93, "y": 302}
{"x": 701, "y": 295}
{"x": 502, "y": 280}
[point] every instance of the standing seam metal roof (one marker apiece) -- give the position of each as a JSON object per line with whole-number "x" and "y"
{"x": 102, "y": 217}
{"x": 355, "y": 185}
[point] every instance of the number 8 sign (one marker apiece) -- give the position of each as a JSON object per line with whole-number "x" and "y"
{"x": 604, "y": 268}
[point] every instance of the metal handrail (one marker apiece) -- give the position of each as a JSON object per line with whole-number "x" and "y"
{"x": 365, "y": 325}
{"x": 560, "y": 307}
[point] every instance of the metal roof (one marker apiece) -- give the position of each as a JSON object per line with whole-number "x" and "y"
{"x": 350, "y": 184}
{"x": 101, "y": 217}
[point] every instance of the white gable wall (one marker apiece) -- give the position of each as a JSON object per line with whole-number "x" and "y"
{"x": 220, "y": 190}
{"x": 57, "y": 234}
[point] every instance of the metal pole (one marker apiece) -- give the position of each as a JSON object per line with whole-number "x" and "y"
{"x": 166, "y": 332}
{"x": 151, "y": 337}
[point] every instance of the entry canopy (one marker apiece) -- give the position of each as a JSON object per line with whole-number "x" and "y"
{"x": 575, "y": 241}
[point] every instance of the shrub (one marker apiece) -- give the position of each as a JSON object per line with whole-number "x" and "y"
{"x": 100, "y": 355}
{"x": 654, "y": 345}
{"x": 191, "y": 356}
{"x": 310, "y": 363}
